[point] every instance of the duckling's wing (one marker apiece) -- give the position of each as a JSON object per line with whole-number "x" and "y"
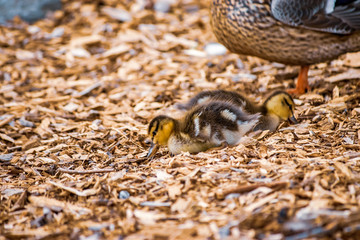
{"x": 334, "y": 16}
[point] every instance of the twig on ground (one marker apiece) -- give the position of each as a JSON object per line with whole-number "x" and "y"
{"x": 64, "y": 170}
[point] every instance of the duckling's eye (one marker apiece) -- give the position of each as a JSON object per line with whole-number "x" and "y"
{"x": 154, "y": 133}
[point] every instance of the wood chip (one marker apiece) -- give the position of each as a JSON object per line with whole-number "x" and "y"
{"x": 349, "y": 75}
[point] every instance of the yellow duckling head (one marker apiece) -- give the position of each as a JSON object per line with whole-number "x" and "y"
{"x": 282, "y": 105}
{"x": 159, "y": 131}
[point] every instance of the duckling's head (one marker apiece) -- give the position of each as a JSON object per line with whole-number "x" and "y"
{"x": 282, "y": 105}
{"x": 160, "y": 129}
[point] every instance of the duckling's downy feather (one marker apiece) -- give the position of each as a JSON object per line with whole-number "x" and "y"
{"x": 215, "y": 120}
{"x": 278, "y": 106}
{"x": 224, "y": 96}
{"x": 207, "y": 125}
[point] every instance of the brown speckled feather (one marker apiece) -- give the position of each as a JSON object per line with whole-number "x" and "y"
{"x": 334, "y": 16}
{"x": 248, "y": 27}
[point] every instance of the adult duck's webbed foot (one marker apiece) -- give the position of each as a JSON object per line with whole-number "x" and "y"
{"x": 302, "y": 85}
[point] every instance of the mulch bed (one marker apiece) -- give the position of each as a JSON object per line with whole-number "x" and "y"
{"x": 78, "y": 89}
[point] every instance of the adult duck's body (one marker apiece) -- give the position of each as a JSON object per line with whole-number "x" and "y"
{"x": 295, "y": 32}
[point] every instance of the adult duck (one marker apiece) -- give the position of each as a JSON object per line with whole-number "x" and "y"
{"x": 294, "y": 32}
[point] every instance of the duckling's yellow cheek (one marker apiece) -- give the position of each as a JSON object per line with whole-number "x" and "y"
{"x": 164, "y": 133}
{"x": 286, "y": 114}
{"x": 283, "y": 112}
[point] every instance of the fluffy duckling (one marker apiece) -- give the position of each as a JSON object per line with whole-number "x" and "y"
{"x": 279, "y": 106}
{"x": 205, "y": 126}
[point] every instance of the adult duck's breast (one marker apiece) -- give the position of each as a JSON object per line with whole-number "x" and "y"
{"x": 239, "y": 24}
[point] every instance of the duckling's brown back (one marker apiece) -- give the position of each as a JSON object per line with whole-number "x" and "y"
{"x": 221, "y": 95}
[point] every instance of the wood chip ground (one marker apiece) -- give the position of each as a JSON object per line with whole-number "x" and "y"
{"x": 78, "y": 89}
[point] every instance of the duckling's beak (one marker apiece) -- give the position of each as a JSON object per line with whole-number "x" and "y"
{"x": 153, "y": 150}
{"x": 292, "y": 119}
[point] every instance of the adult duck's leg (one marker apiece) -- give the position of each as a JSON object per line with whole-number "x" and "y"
{"x": 302, "y": 84}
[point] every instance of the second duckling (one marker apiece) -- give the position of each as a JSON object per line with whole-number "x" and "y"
{"x": 208, "y": 125}
{"x": 279, "y": 106}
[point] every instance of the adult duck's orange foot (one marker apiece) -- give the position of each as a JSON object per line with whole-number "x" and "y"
{"x": 302, "y": 85}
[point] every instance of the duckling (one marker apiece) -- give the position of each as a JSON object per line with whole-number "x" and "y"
{"x": 208, "y": 125}
{"x": 277, "y": 107}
